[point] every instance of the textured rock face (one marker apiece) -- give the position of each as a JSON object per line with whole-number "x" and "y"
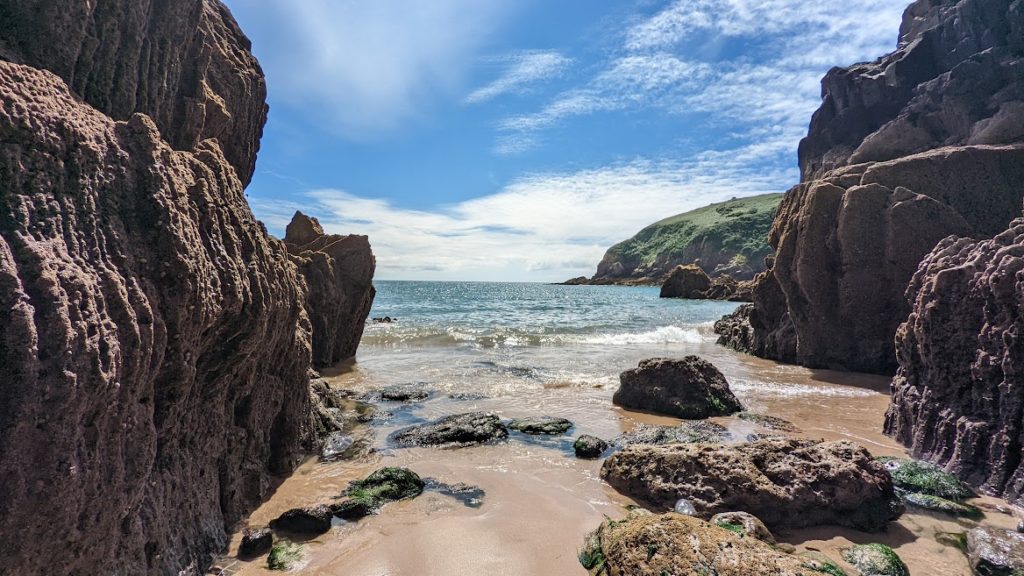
{"x": 338, "y": 271}
{"x": 958, "y": 398}
{"x": 785, "y": 483}
{"x": 923, "y": 143}
{"x": 153, "y": 345}
{"x": 686, "y": 282}
{"x": 847, "y": 246}
{"x": 956, "y": 79}
{"x": 690, "y": 388}
{"x": 185, "y": 64}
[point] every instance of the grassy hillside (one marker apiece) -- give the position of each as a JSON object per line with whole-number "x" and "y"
{"x": 729, "y": 236}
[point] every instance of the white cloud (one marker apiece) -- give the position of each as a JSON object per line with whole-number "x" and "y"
{"x": 522, "y": 69}
{"x": 367, "y": 68}
{"x": 541, "y": 227}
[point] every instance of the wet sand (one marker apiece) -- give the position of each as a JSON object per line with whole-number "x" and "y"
{"x": 540, "y": 500}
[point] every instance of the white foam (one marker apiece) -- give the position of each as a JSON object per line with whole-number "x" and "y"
{"x": 662, "y": 335}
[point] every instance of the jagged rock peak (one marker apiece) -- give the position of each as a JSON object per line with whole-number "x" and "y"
{"x": 303, "y": 230}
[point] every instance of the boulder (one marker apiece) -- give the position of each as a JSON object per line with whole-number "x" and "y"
{"x": 688, "y": 281}
{"x": 541, "y": 425}
{"x": 589, "y": 447}
{"x": 995, "y": 552}
{"x": 785, "y": 483}
{"x": 365, "y": 496}
{"x": 957, "y": 396}
{"x": 459, "y": 429}
{"x": 672, "y": 543}
{"x": 875, "y": 560}
{"x": 405, "y": 393}
{"x": 305, "y": 521}
{"x": 338, "y": 272}
{"x": 255, "y": 542}
{"x": 690, "y": 388}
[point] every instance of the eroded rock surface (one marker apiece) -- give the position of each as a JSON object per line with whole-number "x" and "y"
{"x": 458, "y": 429}
{"x": 338, "y": 271}
{"x": 689, "y": 388}
{"x": 785, "y": 483}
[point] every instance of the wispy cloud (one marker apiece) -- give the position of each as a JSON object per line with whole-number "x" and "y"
{"x": 543, "y": 226}
{"x": 522, "y": 69}
{"x": 367, "y": 68}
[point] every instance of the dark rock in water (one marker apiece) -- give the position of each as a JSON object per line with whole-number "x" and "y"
{"x": 255, "y": 542}
{"x": 770, "y": 422}
{"x": 785, "y": 483}
{"x": 470, "y": 496}
{"x": 924, "y": 478}
{"x": 939, "y": 504}
{"x": 744, "y": 524}
{"x": 466, "y": 396}
{"x": 957, "y": 395}
{"x": 875, "y": 560}
{"x": 385, "y": 320}
{"x": 589, "y": 447}
{"x": 691, "y": 388}
{"x": 995, "y": 552}
{"x": 541, "y": 425}
{"x": 308, "y": 520}
{"x": 284, "y": 555}
{"x": 365, "y": 496}
{"x": 459, "y": 429}
{"x": 335, "y": 447}
{"x": 338, "y": 271}
{"x": 645, "y": 543}
{"x": 689, "y": 282}
{"x": 686, "y": 432}
{"x": 405, "y": 393}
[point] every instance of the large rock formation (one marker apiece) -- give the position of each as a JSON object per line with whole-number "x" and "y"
{"x": 689, "y": 388}
{"x": 925, "y": 142}
{"x": 154, "y": 347}
{"x": 339, "y": 277}
{"x": 958, "y": 398}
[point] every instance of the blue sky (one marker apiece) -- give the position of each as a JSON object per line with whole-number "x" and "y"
{"x": 518, "y": 140}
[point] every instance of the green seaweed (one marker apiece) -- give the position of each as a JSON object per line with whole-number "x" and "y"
{"x": 939, "y": 504}
{"x": 734, "y": 528}
{"x": 284, "y": 555}
{"x": 383, "y": 486}
{"x": 925, "y": 478}
{"x": 876, "y": 559}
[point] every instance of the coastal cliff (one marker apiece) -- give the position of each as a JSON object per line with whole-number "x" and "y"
{"x": 154, "y": 341}
{"x": 924, "y": 143}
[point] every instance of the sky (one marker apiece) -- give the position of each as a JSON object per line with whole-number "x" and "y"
{"x": 516, "y": 140}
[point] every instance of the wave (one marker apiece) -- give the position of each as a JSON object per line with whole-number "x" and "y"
{"x": 394, "y": 335}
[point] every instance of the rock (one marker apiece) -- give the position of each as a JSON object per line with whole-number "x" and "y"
{"x": 672, "y": 543}
{"x": 743, "y": 524}
{"x": 995, "y": 552}
{"x": 875, "y": 560}
{"x": 471, "y": 496}
{"x": 541, "y": 425}
{"x": 338, "y": 272}
{"x": 689, "y": 282}
{"x": 821, "y": 564}
{"x": 589, "y": 447}
{"x": 956, "y": 394}
{"x": 938, "y": 504}
{"x": 686, "y": 432}
{"x": 365, "y": 496}
{"x": 308, "y": 520}
{"x": 785, "y": 483}
{"x": 255, "y": 542}
{"x": 405, "y": 393}
{"x": 578, "y": 281}
{"x": 201, "y": 84}
{"x": 460, "y": 429}
{"x": 769, "y": 422}
{"x": 153, "y": 345}
{"x": 284, "y": 556}
{"x": 691, "y": 388}
{"x": 924, "y": 478}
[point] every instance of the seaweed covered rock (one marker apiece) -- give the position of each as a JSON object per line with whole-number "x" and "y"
{"x": 957, "y": 396}
{"x": 458, "y": 429}
{"x": 875, "y": 560}
{"x": 647, "y": 544}
{"x": 942, "y": 505}
{"x": 285, "y": 555}
{"x": 785, "y": 483}
{"x": 589, "y": 447}
{"x": 338, "y": 271}
{"x": 924, "y": 478}
{"x": 690, "y": 388}
{"x": 689, "y": 281}
{"x": 541, "y": 425}
{"x": 365, "y": 496}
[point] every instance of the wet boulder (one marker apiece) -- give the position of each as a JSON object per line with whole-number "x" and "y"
{"x": 542, "y": 425}
{"x": 924, "y": 478}
{"x": 690, "y": 388}
{"x": 405, "y": 393}
{"x": 785, "y": 483}
{"x": 995, "y": 552}
{"x": 589, "y": 447}
{"x": 645, "y": 543}
{"x": 942, "y": 505}
{"x": 689, "y": 282}
{"x": 459, "y": 429}
{"x": 255, "y": 542}
{"x": 875, "y": 560}
{"x": 364, "y": 497}
{"x": 308, "y": 520}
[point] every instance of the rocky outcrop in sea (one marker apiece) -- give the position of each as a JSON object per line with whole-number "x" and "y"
{"x": 925, "y": 142}
{"x": 154, "y": 343}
